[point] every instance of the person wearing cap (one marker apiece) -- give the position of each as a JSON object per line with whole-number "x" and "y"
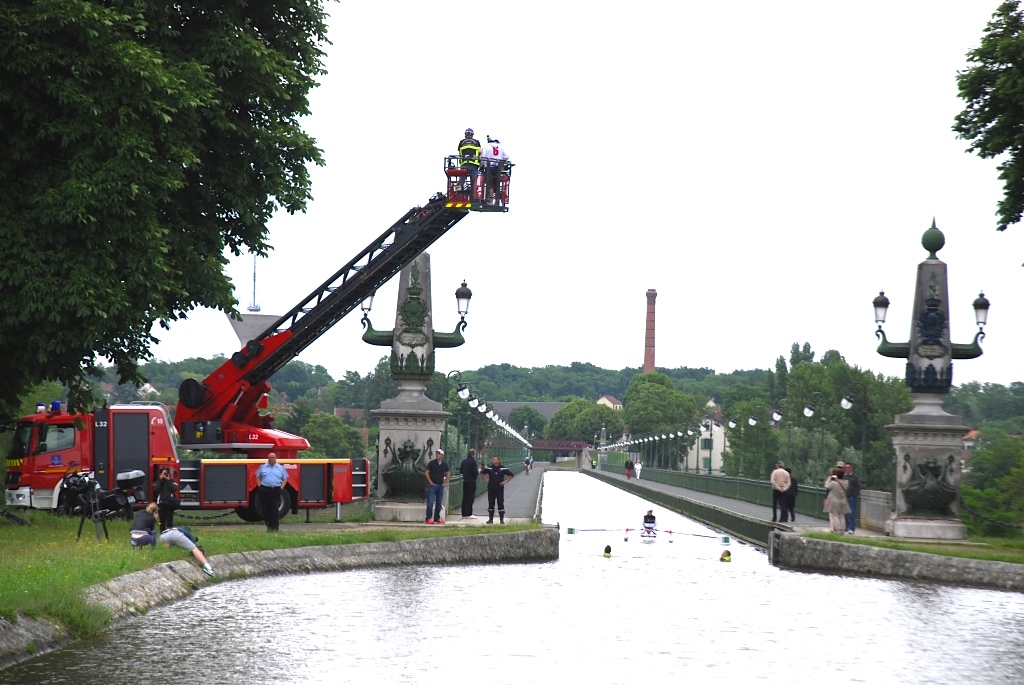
{"x": 469, "y": 156}
{"x": 780, "y": 484}
{"x": 493, "y": 157}
{"x": 438, "y": 474}
{"x": 271, "y": 478}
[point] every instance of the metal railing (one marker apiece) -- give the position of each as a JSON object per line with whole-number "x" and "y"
{"x": 808, "y": 501}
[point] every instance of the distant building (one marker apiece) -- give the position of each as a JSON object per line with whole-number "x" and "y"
{"x": 546, "y": 409}
{"x": 350, "y": 412}
{"x": 609, "y": 401}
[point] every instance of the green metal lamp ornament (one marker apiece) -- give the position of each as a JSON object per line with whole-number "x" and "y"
{"x": 929, "y": 353}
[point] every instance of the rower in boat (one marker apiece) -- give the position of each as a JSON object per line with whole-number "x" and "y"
{"x": 650, "y": 522}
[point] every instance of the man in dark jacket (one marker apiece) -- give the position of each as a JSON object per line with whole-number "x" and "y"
{"x": 629, "y": 468}
{"x": 469, "y": 470}
{"x": 852, "y": 496}
{"x": 496, "y": 475}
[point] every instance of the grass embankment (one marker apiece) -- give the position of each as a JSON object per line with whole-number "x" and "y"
{"x": 983, "y": 549}
{"x": 44, "y": 571}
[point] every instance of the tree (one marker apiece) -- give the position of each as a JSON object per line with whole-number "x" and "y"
{"x": 781, "y": 378}
{"x": 380, "y": 386}
{"x": 993, "y": 118}
{"x": 526, "y": 415}
{"x": 141, "y": 141}
{"x": 331, "y": 438}
{"x": 642, "y": 379}
{"x": 562, "y": 424}
{"x": 798, "y": 355}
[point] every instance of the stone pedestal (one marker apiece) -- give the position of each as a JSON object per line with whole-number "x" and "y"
{"x": 927, "y": 446}
{"x": 410, "y": 432}
{"x": 405, "y": 512}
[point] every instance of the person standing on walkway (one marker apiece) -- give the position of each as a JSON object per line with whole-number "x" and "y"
{"x": 637, "y": 468}
{"x": 791, "y": 494}
{"x": 469, "y": 470}
{"x": 852, "y": 496}
{"x": 496, "y": 475}
{"x": 836, "y": 504}
{"x": 271, "y": 477}
{"x": 780, "y": 483}
{"x": 164, "y": 490}
{"x": 629, "y": 468}
{"x": 438, "y": 474}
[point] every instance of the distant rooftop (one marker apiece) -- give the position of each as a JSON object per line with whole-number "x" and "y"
{"x": 546, "y": 409}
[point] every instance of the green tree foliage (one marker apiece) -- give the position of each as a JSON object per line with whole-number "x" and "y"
{"x": 590, "y": 422}
{"x": 993, "y": 119}
{"x": 292, "y": 417}
{"x": 988, "y": 403}
{"x": 349, "y": 391}
{"x": 753, "y": 449}
{"x": 562, "y": 425}
{"x": 581, "y": 420}
{"x": 526, "y": 415}
{"x": 798, "y": 355}
{"x": 988, "y": 465}
{"x": 142, "y": 139}
{"x": 380, "y": 386}
{"x": 329, "y": 437}
{"x": 781, "y": 378}
{"x": 299, "y": 379}
{"x": 653, "y": 409}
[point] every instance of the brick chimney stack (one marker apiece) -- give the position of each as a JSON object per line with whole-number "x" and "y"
{"x": 649, "y": 337}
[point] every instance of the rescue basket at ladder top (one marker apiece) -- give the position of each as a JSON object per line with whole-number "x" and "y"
{"x": 478, "y": 196}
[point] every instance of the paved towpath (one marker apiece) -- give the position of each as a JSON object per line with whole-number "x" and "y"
{"x": 755, "y": 511}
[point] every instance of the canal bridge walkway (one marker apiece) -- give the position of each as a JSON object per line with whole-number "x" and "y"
{"x": 747, "y": 509}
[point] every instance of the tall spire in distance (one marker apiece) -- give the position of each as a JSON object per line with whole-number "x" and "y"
{"x": 649, "y": 336}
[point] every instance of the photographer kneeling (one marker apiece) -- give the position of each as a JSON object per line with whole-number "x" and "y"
{"x": 143, "y": 527}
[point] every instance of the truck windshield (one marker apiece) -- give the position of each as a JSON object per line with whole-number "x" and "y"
{"x": 19, "y": 444}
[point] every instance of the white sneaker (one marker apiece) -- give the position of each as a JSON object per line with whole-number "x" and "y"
{"x": 471, "y": 516}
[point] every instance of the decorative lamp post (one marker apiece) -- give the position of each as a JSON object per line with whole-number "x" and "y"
{"x": 710, "y": 425}
{"x": 809, "y": 411}
{"x": 847, "y": 403}
{"x": 926, "y": 474}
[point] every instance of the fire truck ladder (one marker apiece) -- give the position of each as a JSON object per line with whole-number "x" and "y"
{"x": 417, "y": 230}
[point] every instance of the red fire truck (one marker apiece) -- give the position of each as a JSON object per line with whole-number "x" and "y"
{"x": 221, "y": 413}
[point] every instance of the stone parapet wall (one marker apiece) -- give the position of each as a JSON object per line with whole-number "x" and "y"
{"x": 875, "y": 509}
{"x": 791, "y": 551}
{"x": 137, "y": 593}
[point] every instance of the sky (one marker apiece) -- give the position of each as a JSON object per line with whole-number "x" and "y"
{"x": 766, "y": 167}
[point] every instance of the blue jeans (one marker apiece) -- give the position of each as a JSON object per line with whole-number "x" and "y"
{"x": 435, "y": 496}
{"x": 851, "y": 518}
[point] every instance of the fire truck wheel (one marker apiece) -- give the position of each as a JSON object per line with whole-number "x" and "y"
{"x": 248, "y": 514}
{"x": 284, "y": 505}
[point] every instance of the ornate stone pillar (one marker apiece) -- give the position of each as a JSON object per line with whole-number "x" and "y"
{"x": 927, "y": 441}
{"x": 411, "y": 423}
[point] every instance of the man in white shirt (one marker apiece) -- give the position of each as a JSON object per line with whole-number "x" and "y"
{"x": 492, "y": 156}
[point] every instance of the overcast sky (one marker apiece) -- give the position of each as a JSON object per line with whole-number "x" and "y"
{"x": 766, "y": 167}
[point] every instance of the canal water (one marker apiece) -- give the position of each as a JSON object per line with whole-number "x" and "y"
{"x": 651, "y": 613}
